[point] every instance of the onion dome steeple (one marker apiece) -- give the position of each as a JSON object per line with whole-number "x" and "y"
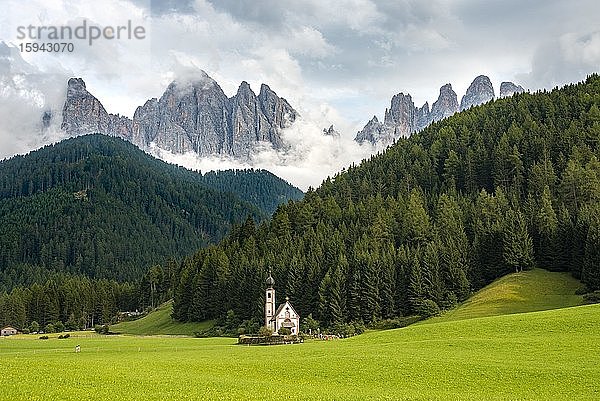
{"x": 270, "y": 280}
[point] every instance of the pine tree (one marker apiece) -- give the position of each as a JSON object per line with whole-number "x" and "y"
{"x": 353, "y": 294}
{"x": 387, "y": 281}
{"x": 564, "y": 239}
{"x": 330, "y": 299}
{"x": 416, "y": 220}
{"x": 432, "y": 280}
{"x": 416, "y": 291}
{"x": 369, "y": 283}
{"x": 547, "y": 225}
{"x": 402, "y": 265}
{"x": 517, "y": 244}
{"x": 590, "y": 274}
{"x": 579, "y": 239}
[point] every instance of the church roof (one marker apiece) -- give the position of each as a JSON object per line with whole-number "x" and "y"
{"x": 281, "y": 308}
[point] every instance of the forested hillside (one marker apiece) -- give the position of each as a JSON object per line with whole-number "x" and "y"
{"x": 261, "y": 188}
{"x": 498, "y": 188}
{"x": 100, "y": 207}
{"x": 77, "y": 216}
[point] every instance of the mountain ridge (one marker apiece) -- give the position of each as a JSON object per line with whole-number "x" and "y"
{"x": 193, "y": 115}
{"x": 404, "y": 118}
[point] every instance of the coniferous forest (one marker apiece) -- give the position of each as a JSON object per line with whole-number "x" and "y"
{"x": 499, "y": 188}
{"x": 86, "y": 218}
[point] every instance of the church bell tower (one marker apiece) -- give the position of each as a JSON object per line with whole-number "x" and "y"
{"x": 269, "y": 302}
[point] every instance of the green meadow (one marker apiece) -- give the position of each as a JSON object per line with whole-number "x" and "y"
{"x": 550, "y": 355}
{"x": 528, "y": 291}
{"x": 160, "y": 322}
{"x": 546, "y": 355}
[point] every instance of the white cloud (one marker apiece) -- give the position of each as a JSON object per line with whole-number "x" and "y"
{"x": 310, "y": 159}
{"x": 583, "y": 49}
{"x": 565, "y": 59}
{"x": 307, "y": 41}
{"x": 25, "y": 94}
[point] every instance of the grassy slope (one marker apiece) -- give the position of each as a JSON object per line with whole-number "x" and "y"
{"x": 529, "y": 291}
{"x": 549, "y": 355}
{"x": 159, "y": 322}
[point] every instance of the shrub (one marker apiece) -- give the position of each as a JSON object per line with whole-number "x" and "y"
{"x": 71, "y": 324}
{"x": 102, "y": 329}
{"x": 25, "y": 331}
{"x": 284, "y": 331}
{"x": 592, "y": 297}
{"x": 63, "y": 336}
{"x": 359, "y": 327}
{"x": 427, "y": 308}
{"x": 59, "y": 327}
{"x": 34, "y": 327}
{"x": 249, "y": 326}
{"x": 202, "y": 334}
{"x": 265, "y": 331}
{"x": 273, "y": 340}
{"x": 385, "y": 324}
{"x": 49, "y": 328}
{"x": 310, "y": 325}
{"x": 346, "y": 330}
{"x": 396, "y": 323}
{"x": 43, "y": 337}
{"x": 449, "y": 300}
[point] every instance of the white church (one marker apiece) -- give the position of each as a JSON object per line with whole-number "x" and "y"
{"x": 284, "y": 316}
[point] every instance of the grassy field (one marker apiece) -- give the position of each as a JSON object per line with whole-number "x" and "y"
{"x": 529, "y": 291}
{"x": 160, "y": 322}
{"x": 550, "y": 355}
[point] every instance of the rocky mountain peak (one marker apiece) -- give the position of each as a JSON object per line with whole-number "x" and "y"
{"x": 480, "y": 91}
{"x": 76, "y": 85}
{"x": 373, "y": 132}
{"x": 245, "y": 94}
{"x": 244, "y": 88}
{"x": 277, "y": 111}
{"x": 82, "y": 112}
{"x": 331, "y": 131}
{"x": 445, "y": 105}
{"x": 399, "y": 104}
{"x": 422, "y": 117}
{"x": 266, "y": 92}
{"x": 509, "y": 89}
{"x": 400, "y": 117}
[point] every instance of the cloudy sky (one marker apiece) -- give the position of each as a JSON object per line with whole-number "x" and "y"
{"x": 337, "y": 62}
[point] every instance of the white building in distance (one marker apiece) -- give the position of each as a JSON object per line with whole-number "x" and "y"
{"x": 8, "y": 331}
{"x": 284, "y": 316}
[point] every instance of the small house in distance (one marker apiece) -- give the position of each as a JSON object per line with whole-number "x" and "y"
{"x": 8, "y": 331}
{"x": 284, "y": 316}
